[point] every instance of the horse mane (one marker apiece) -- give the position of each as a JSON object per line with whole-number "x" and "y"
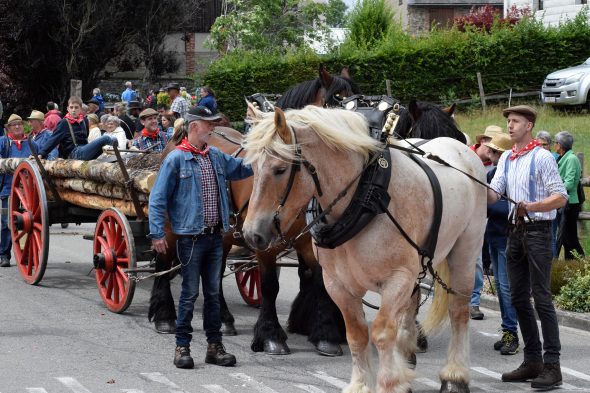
{"x": 432, "y": 122}
{"x": 337, "y": 128}
{"x": 300, "y": 95}
{"x": 340, "y": 84}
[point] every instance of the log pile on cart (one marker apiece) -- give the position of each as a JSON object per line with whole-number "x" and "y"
{"x": 114, "y": 195}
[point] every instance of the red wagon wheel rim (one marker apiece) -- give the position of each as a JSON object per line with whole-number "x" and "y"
{"x": 249, "y": 286}
{"x": 114, "y": 252}
{"x": 29, "y": 222}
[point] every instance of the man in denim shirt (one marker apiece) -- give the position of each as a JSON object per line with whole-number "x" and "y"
{"x": 190, "y": 190}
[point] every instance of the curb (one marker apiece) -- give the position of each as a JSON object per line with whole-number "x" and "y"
{"x": 574, "y": 320}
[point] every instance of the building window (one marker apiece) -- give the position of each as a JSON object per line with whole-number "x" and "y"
{"x": 540, "y": 5}
{"x": 442, "y": 17}
{"x": 581, "y": 1}
{"x": 401, "y": 2}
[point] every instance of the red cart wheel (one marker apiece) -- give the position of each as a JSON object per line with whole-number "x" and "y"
{"x": 29, "y": 222}
{"x": 114, "y": 251}
{"x": 249, "y": 285}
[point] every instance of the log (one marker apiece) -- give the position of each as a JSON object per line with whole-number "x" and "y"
{"x": 99, "y": 202}
{"x": 142, "y": 180}
{"x": 102, "y": 189}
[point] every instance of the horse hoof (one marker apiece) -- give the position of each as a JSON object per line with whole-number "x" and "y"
{"x": 165, "y": 327}
{"x": 276, "y": 348}
{"x": 228, "y": 329}
{"x": 412, "y": 361}
{"x": 328, "y": 348}
{"x": 454, "y": 387}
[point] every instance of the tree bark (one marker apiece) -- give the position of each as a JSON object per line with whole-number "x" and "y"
{"x": 102, "y": 189}
{"x": 142, "y": 180}
{"x": 100, "y": 203}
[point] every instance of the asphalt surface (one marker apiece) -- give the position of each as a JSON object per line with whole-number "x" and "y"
{"x": 58, "y": 337}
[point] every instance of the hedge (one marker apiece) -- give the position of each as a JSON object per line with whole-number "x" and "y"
{"x": 439, "y": 68}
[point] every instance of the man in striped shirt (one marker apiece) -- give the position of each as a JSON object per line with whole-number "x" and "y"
{"x": 528, "y": 175}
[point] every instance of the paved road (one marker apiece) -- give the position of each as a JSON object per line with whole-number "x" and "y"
{"x": 59, "y": 338}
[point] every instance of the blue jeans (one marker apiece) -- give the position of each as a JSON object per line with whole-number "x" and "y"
{"x": 91, "y": 150}
{"x": 475, "y": 295}
{"x": 497, "y": 245}
{"x": 528, "y": 257}
{"x": 5, "y": 239}
{"x": 200, "y": 258}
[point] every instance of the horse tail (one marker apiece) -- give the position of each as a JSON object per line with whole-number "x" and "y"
{"x": 439, "y": 309}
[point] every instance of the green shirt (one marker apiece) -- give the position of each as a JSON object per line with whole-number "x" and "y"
{"x": 570, "y": 172}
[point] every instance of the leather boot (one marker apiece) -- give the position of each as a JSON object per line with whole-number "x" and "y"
{"x": 4, "y": 262}
{"x": 549, "y": 378}
{"x": 182, "y": 358}
{"x": 524, "y": 372}
{"x": 216, "y": 355}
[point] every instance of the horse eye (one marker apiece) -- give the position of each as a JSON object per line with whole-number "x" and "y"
{"x": 279, "y": 171}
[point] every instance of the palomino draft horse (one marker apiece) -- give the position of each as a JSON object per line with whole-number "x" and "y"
{"x": 379, "y": 258}
{"x": 427, "y": 121}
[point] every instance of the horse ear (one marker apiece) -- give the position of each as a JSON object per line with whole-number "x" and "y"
{"x": 252, "y": 111}
{"x": 451, "y": 109}
{"x": 414, "y": 110}
{"x": 281, "y": 126}
{"x": 344, "y": 73}
{"x": 325, "y": 77}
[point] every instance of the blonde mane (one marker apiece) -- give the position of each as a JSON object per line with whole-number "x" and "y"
{"x": 339, "y": 129}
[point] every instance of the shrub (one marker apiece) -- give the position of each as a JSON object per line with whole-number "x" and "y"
{"x": 575, "y": 295}
{"x": 562, "y": 271}
{"x": 163, "y": 99}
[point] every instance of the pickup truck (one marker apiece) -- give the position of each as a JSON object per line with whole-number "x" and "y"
{"x": 568, "y": 87}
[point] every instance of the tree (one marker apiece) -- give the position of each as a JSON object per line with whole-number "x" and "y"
{"x": 370, "y": 21}
{"x": 271, "y": 25}
{"x": 484, "y": 18}
{"x": 45, "y": 44}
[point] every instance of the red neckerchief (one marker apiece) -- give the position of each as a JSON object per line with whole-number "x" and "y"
{"x": 530, "y": 146}
{"x": 17, "y": 141}
{"x": 71, "y": 120}
{"x": 186, "y": 146}
{"x": 148, "y": 134}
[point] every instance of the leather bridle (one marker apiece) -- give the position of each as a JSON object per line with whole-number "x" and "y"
{"x": 295, "y": 167}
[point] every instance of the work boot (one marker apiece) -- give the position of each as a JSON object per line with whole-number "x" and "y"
{"x": 524, "y": 372}
{"x": 549, "y": 378}
{"x": 474, "y": 313}
{"x": 510, "y": 346}
{"x": 4, "y": 262}
{"x": 500, "y": 343}
{"x": 216, "y": 355}
{"x": 182, "y": 358}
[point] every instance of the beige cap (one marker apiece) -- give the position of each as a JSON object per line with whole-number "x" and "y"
{"x": 14, "y": 117}
{"x": 147, "y": 113}
{"x": 489, "y": 132}
{"x": 36, "y": 115}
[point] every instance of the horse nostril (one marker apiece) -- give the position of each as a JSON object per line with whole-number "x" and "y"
{"x": 258, "y": 241}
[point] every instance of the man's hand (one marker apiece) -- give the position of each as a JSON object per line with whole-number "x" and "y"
{"x": 521, "y": 210}
{"x": 160, "y": 245}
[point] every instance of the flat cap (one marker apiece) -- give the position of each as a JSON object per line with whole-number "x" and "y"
{"x": 524, "y": 110}
{"x": 147, "y": 113}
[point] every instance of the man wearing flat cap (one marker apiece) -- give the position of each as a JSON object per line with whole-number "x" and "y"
{"x": 130, "y": 120}
{"x": 190, "y": 190}
{"x": 179, "y": 105}
{"x": 150, "y": 137}
{"x": 528, "y": 174}
{"x": 94, "y": 107}
{"x": 39, "y": 133}
{"x": 13, "y": 144}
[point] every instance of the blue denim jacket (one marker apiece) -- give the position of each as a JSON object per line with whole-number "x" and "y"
{"x": 177, "y": 192}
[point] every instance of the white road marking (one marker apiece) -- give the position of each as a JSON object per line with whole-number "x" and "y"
{"x": 489, "y": 334}
{"x": 252, "y": 383}
{"x": 215, "y": 388}
{"x": 428, "y": 382}
{"x": 73, "y": 385}
{"x": 131, "y": 391}
{"x": 308, "y": 388}
{"x": 567, "y": 386}
{"x": 489, "y": 373}
{"x": 36, "y": 390}
{"x": 159, "y": 378}
{"x": 575, "y": 373}
{"x": 330, "y": 379}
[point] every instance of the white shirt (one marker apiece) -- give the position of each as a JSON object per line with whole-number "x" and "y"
{"x": 515, "y": 182}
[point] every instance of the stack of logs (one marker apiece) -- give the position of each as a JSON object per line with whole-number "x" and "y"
{"x": 92, "y": 184}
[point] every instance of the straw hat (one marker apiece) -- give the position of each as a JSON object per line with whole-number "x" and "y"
{"x": 500, "y": 142}
{"x": 489, "y": 132}
{"x": 36, "y": 115}
{"x": 14, "y": 117}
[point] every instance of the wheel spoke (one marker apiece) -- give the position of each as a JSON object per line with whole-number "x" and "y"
{"x": 244, "y": 279}
{"x": 103, "y": 277}
{"x": 116, "y": 289}
{"x": 120, "y": 250}
{"x": 109, "y": 291}
{"x": 103, "y": 242}
{"x": 22, "y": 198}
{"x": 19, "y": 235}
{"x": 120, "y": 285}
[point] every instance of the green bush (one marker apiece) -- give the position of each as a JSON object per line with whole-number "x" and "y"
{"x": 575, "y": 295}
{"x": 439, "y": 67}
{"x": 562, "y": 271}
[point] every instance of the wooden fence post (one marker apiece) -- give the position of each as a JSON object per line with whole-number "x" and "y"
{"x": 388, "y": 87}
{"x": 581, "y": 158}
{"x": 482, "y": 95}
{"x": 75, "y": 88}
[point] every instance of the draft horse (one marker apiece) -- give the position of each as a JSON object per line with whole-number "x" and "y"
{"x": 379, "y": 258}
